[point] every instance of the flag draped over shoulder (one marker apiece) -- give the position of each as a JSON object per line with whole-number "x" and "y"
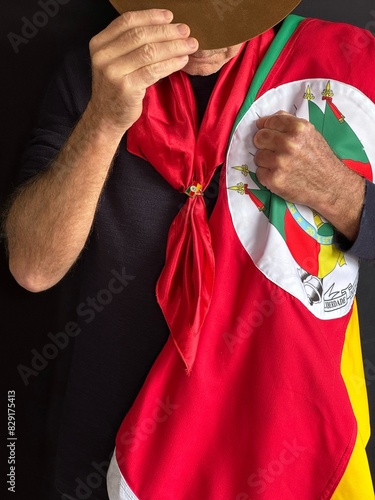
{"x": 275, "y": 403}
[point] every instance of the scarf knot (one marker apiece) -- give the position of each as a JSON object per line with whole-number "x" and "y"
{"x": 195, "y": 189}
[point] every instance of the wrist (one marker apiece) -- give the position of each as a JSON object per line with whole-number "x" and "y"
{"x": 344, "y": 208}
{"x": 101, "y": 127}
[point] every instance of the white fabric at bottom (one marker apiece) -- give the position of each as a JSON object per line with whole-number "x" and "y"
{"x": 117, "y": 487}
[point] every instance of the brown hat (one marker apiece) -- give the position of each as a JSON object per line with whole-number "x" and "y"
{"x": 219, "y": 23}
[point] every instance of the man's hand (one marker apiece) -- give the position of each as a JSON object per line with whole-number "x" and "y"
{"x": 135, "y": 51}
{"x": 295, "y": 162}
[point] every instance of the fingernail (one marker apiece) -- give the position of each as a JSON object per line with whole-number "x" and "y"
{"x": 168, "y": 15}
{"x": 183, "y": 29}
{"x": 192, "y": 42}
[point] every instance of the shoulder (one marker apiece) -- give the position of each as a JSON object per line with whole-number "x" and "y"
{"x": 339, "y": 49}
{"x": 351, "y": 41}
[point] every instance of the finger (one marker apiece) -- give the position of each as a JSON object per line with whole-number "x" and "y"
{"x": 154, "y": 53}
{"x": 277, "y": 121}
{"x": 264, "y": 176}
{"x": 142, "y": 37}
{"x": 129, "y": 20}
{"x": 152, "y": 73}
{"x": 266, "y": 159}
{"x": 269, "y": 139}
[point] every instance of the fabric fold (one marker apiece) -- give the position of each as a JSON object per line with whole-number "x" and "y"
{"x": 187, "y": 156}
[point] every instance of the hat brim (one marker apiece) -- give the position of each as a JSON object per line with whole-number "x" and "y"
{"x": 218, "y": 23}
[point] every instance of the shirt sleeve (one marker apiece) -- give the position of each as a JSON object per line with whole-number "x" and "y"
{"x": 364, "y": 245}
{"x": 65, "y": 100}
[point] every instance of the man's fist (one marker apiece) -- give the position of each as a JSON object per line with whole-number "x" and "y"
{"x": 295, "y": 162}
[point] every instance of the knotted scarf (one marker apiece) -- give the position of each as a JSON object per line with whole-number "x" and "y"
{"x": 168, "y": 136}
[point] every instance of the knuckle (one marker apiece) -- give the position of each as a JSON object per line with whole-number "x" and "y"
{"x": 290, "y": 145}
{"x": 306, "y": 123}
{"x": 262, "y": 158}
{"x": 127, "y": 19}
{"x": 127, "y": 87}
{"x": 277, "y": 184}
{"x": 303, "y": 126}
{"x": 97, "y": 59}
{"x": 130, "y": 89}
{"x": 138, "y": 35}
{"x": 93, "y": 45}
{"x": 173, "y": 47}
{"x": 150, "y": 74}
{"x": 110, "y": 73}
{"x": 281, "y": 165}
{"x": 282, "y": 122}
{"x": 165, "y": 31}
{"x": 148, "y": 53}
{"x": 309, "y": 127}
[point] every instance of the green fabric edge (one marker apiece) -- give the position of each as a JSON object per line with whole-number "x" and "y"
{"x": 287, "y": 29}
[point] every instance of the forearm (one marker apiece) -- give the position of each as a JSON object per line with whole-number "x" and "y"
{"x": 50, "y": 219}
{"x": 342, "y": 203}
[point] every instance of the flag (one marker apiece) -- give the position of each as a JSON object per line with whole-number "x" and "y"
{"x": 275, "y": 405}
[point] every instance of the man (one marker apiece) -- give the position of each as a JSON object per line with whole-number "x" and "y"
{"x": 258, "y": 321}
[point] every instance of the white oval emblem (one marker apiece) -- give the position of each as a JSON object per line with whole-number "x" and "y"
{"x": 291, "y": 244}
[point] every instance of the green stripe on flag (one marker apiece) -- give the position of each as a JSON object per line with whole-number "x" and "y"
{"x": 316, "y": 116}
{"x": 342, "y": 139}
{"x": 286, "y": 31}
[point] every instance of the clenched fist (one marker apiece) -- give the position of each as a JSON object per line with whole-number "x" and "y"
{"x": 295, "y": 162}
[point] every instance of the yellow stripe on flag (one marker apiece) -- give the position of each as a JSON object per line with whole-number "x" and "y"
{"x": 356, "y": 483}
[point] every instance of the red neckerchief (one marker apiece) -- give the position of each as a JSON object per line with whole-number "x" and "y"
{"x": 168, "y": 136}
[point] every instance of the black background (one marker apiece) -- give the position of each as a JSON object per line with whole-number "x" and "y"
{"x": 26, "y": 318}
